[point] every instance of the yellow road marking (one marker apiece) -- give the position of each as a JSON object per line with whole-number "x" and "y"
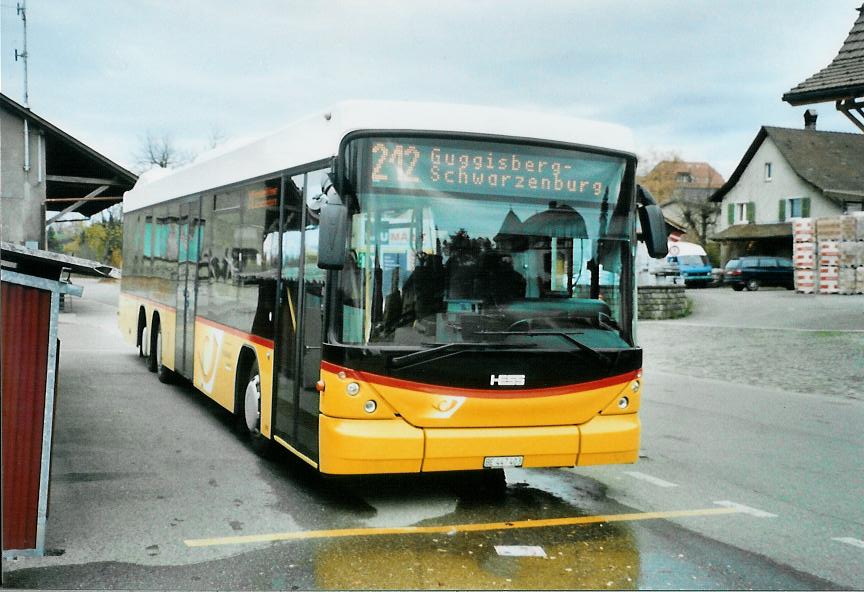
{"x": 453, "y": 528}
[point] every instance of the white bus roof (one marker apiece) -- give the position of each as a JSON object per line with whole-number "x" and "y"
{"x": 317, "y": 137}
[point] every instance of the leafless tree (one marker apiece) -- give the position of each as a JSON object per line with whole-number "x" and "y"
{"x": 215, "y": 137}
{"x": 697, "y": 212}
{"x": 160, "y": 151}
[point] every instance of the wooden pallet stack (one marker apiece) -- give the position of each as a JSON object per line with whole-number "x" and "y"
{"x": 851, "y": 254}
{"x": 804, "y": 254}
{"x": 828, "y": 244}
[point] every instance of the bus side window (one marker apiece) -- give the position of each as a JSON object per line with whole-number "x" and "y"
{"x": 172, "y": 240}
{"x": 160, "y": 241}
{"x": 147, "y": 246}
{"x": 255, "y": 241}
{"x": 205, "y": 252}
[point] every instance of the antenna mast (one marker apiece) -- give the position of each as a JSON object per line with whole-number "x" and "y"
{"x": 22, "y": 12}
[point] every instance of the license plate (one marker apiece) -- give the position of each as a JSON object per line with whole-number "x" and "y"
{"x": 501, "y": 462}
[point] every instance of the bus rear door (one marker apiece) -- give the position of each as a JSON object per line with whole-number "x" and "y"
{"x": 187, "y": 257}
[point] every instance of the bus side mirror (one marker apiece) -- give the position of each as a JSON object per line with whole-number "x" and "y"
{"x": 653, "y": 224}
{"x": 332, "y": 237}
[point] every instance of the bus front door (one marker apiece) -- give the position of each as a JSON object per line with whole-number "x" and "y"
{"x": 187, "y": 257}
{"x": 299, "y": 327}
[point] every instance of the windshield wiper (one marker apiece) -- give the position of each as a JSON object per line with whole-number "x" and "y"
{"x": 599, "y": 355}
{"x": 611, "y": 325}
{"x": 448, "y": 349}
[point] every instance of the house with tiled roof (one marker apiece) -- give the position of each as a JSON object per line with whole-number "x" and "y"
{"x": 787, "y": 173}
{"x": 683, "y": 190}
{"x": 841, "y": 81}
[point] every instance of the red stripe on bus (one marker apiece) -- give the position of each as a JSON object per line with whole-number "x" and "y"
{"x": 480, "y": 393}
{"x": 248, "y": 336}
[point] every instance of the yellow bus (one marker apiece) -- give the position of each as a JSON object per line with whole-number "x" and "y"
{"x": 397, "y": 287}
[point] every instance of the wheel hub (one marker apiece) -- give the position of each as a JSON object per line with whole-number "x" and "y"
{"x": 251, "y": 405}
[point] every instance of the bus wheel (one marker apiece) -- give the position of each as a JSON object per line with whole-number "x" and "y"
{"x": 143, "y": 351}
{"x": 249, "y": 415}
{"x": 162, "y": 372}
{"x": 152, "y": 338}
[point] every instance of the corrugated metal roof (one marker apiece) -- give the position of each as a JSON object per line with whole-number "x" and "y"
{"x": 26, "y": 315}
{"x": 48, "y": 264}
{"x": 843, "y": 78}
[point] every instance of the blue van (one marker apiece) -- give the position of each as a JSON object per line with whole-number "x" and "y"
{"x": 693, "y": 262}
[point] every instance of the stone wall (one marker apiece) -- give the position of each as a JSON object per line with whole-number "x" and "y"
{"x": 662, "y": 302}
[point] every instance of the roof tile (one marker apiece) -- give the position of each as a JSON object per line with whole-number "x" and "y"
{"x": 843, "y": 78}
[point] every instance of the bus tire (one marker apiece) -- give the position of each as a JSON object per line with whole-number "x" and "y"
{"x": 142, "y": 334}
{"x": 163, "y": 373}
{"x": 151, "y": 350}
{"x": 143, "y": 350}
{"x": 249, "y": 411}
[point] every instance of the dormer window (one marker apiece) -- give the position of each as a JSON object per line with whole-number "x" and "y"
{"x": 768, "y": 171}
{"x": 684, "y": 178}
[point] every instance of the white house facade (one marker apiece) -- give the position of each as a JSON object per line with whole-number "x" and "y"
{"x": 787, "y": 173}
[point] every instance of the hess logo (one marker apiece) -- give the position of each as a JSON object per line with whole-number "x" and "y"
{"x": 507, "y": 380}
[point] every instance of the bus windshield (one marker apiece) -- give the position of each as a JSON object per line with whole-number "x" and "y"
{"x": 457, "y": 241}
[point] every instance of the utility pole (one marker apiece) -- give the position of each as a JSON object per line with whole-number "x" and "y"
{"x": 22, "y": 12}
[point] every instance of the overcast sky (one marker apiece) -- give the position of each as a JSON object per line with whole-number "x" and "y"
{"x": 690, "y": 76}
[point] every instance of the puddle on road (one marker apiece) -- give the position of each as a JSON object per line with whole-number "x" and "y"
{"x": 599, "y": 556}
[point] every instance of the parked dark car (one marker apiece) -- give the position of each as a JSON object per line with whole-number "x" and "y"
{"x": 753, "y": 272}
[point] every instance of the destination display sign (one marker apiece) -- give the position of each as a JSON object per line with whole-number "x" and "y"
{"x": 459, "y": 167}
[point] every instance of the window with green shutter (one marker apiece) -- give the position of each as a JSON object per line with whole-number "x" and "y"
{"x": 781, "y": 214}
{"x": 751, "y": 212}
{"x": 795, "y": 208}
{"x": 805, "y": 207}
{"x": 730, "y": 208}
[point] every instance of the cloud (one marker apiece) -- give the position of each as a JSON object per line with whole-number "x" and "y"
{"x": 698, "y": 75}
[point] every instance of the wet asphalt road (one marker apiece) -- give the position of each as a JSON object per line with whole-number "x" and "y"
{"x": 139, "y": 468}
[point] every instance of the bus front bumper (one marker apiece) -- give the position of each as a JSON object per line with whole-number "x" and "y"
{"x": 357, "y": 446}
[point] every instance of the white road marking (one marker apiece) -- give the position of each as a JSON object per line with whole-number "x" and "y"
{"x": 850, "y": 541}
{"x": 520, "y": 551}
{"x": 650, "y": 479}
{"x": 746, "y": 509}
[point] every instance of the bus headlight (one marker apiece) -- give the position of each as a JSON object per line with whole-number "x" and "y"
{"x": 352, "y": 389}
{"x": 635, "y": 386}
{"x": 370, "y": 406}
{"x": 623, "y": 402}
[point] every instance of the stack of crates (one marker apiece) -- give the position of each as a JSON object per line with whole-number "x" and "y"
{"x": 828, "y": 242}
{"x": 851, "y": 254}
{"x": 804, "y": 254}
{"x": 859, "y": 232}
